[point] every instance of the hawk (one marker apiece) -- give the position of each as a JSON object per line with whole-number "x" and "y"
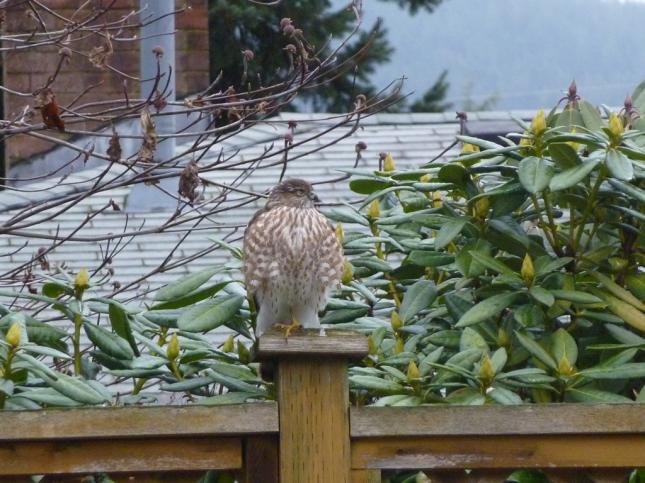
{"x": 292, "y": 258}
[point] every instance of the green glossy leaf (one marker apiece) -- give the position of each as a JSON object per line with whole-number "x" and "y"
{"x": 121, "y": 325}
{"x": 487, "y": 309}
{"x": 573, "y": 176}
{"x": 535, "y": 174}
{"x": 368, "y": 186}
{"x": 504, "y": 396}
{"x": 110, "y": 343}
{"x": 535, "y": 349}
{"x": 471, "y": 339}
{"x": 348, "y": 215}
{"x": 448, "y": 232}
{"x": 430, "y": 259}
{"x": 209, "y": 315}
{"x": 629, "y": 189}
{"x": 491, "y": 263}
{"x": 191, "y": 298}
{"x": 185, "y": 285}
{"x": 542, "y": 295}
{"x": 619, "y": 165}
{"x": 563, "y": 345}
{"x": 564, "y": 155}
{"x": 631, "y": 370}
{"x": 418, "y": 297}
{"x": 374, "y": 384}
{"x": 576, "y": 296}
{"x": 590, "y": 395}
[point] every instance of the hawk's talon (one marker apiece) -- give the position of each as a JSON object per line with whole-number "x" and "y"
{"x": 288, "y": 328}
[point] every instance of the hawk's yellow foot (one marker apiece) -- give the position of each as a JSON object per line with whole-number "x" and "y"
{"x": 288, "y": 328}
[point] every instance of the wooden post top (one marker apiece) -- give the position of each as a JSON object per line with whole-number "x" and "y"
{"x": 333, "y": 344}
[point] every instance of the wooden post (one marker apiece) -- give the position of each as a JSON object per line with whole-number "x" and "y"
{"x": 313, "y": 401}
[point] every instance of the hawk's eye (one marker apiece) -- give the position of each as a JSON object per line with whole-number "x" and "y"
{"x": 300, "y": 192}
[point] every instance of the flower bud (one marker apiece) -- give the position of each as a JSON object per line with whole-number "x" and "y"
{"x": 348, "y": 273}
{"x": 503, "y": 339}
{"x": 528, "y": 271}
{"x": 468, "y": 148}
{"x": 13, "y": 335}
{"x": 395, "y": 321}
{"x": 538, "y": 125}
{"x": 371, "y": 346}
{"x": 564, "y": 366}
{"x": 436, "y": 200}
{"x": 172, "y": 351}
{"x": 399, "y": 346}
{"x": 413, "y": 372}
{"x": 339, "y": 232}
{"x": 482, "y": 205}
{"x": 82, "y": 280}
{"x": 425, "y": 178}
{"x": 486, "y": 370}
{"x": 229, "y": 344}
{"x": 616, "y": 127}
{"x": 388, "y": 163}
{"x": 243, "y": 353}
{"x": 374, "y": 210}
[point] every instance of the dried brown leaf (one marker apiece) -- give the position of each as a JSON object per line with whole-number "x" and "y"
{"x": 189, "y": 181}
{"x": 100, "y": 55}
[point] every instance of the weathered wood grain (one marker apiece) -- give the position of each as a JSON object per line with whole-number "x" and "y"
{"x": 314, "y": 421}
{"x": 125, "y": 422}
{"x": 334, "y": 344}
{"x": 119, "y": 455}
{"x": 526, "y": 451}
{"x": 494, "y": 420}
{"x": 366, "y": 476}
{"x": 261, "y": 460}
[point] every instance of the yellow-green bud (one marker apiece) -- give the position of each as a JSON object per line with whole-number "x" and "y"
{"x": 617, "y": 264}
{"x": 538, "y": 125}
{"x": 82, "y": 280}
{"x": 172, "y": 351}
{"x": 13, "y": 335}
{"x": 528, "y": 271}
{"x": 564, "y": 366}
{"x": 526, "y": 141}
{"x": 229, "y": 344}
{"x": 437, "y": 201}
{"x": 388, "y": 163}
{"x": 348, "y": 273}
{"x": 339, "y": 232}
{"x": 616, "y": 127}
{"x": 425, "y": 178}
{"x": 374, "y": 210}
{"x": 399, "y": 346}
{"x": 468, "y": 148}
{"x": 503, "y": 339}
{"x": 395, "y": 321}
{"x": 482, "y": 205}
{"x": 486, "y": 370}
{"x": 413, "y": 371}
{"x": 243, "y": 352}
{"x": 371, "y": 346}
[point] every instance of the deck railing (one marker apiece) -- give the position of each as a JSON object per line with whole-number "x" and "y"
{"x": 311, "y": 434}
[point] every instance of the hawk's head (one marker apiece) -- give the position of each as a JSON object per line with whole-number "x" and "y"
{"x": 293, "y": 192}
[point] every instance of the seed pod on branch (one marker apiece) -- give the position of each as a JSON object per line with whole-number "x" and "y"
{"x": 147, "y": 150}
{"x": 114, "y": 150}
{"x": 189, "y": 181}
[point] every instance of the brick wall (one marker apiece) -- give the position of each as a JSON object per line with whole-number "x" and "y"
{"x": 27, "y": 71}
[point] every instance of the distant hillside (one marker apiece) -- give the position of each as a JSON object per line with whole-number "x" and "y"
{"x": 524, "y": 51}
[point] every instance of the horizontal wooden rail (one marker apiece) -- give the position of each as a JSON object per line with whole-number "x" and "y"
{"x": 528, "y": 419}
{"x": 138, "y": 421}
{"x": 539, "y": 436}
{"x": 133, "y": 439}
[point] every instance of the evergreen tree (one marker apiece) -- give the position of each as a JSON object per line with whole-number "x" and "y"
{"x": 240, "y": 24}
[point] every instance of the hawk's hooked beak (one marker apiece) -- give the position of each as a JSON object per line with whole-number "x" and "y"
{"x": 314, "y": 198}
